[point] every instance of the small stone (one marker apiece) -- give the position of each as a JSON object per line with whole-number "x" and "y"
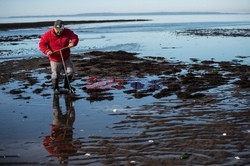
{"x": 237, "y": 157}
{"x": 185, "y": 155}
{"x": 87, "y": 154}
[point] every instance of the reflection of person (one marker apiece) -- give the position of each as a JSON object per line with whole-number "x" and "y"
{"x": 60, "y": 143}
{"x": 55, "y": 39}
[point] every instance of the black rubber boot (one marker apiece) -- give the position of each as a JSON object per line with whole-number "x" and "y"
{"x": 66, "y": 84}
{"x": 55, "y": 85}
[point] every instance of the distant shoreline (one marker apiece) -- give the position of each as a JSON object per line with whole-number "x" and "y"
{"x": 8, "y": 26}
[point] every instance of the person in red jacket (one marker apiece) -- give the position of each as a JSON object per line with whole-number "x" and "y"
{"x": 53, "y": 40}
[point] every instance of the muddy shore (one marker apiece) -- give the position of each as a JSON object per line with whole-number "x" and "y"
{"x": 8, "y": 26}
{"x": 202, "y": 110}
{"x": 216, "y": 32}
{"x": 181, "y": 79}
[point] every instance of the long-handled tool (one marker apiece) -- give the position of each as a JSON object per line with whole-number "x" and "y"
{"x": 65, "y": 70}
{"x": 60, "y": 49}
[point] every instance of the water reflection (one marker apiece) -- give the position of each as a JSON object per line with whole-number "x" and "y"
{"x": 60, "y": 143}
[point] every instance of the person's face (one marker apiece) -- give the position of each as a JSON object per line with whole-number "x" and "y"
{"x": 58, "y": 32}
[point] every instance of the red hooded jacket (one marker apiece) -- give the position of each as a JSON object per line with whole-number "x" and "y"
{"x": 52, "y": 42}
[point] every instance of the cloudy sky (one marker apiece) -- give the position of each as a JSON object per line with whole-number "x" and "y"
{"x": 54, "y": 7}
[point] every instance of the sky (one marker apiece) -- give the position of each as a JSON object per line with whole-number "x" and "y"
{"x": 59, "y": 7}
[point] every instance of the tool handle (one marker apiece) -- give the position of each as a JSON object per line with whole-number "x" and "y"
{"x": 60, "y": 49}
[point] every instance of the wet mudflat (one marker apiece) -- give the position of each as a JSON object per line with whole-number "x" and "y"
{"x": 8, "y": 26}
{"x": 216, "y": 32}
{"x": 182, "y": 113}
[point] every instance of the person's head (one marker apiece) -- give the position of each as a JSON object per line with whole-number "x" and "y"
{"x": 58, "y": 27}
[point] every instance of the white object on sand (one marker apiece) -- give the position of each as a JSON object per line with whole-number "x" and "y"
{"x": 87, "y": 154}
{"x": 237, "y": 157}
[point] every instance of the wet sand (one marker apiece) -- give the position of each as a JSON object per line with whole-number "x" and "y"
{"x": 202, "y": 109}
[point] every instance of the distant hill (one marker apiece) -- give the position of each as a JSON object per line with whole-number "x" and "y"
{"x": 148, "y": 13}
{"x": 127, "y": 14}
